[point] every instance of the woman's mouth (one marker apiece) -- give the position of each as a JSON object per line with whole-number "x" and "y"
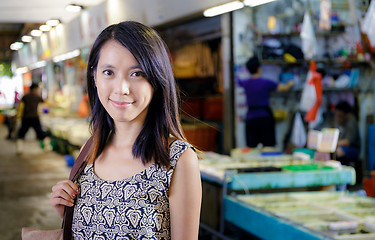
{"x": 120, "y": 104}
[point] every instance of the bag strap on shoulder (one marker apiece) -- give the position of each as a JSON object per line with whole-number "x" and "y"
{"x": 80, "y": 161}
{"x": 77, "y": 169}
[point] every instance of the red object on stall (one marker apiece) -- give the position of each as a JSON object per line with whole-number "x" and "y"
{"x": 213, "y": 109}
{"x": 369, "y": 185}
{"x": 201, "y": 136}
{"x": 366, "y": 43}
{"x": 316, "y": 79}
{"x": 83, "y": 108}
{"x": 192, "y": 107}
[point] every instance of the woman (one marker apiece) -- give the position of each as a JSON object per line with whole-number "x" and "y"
{"x": 142, "y": 180}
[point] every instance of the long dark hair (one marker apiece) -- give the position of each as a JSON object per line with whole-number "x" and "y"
{"x": 162, "y": 119}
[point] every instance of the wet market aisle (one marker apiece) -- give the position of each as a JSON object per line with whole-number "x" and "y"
{"x": 25, "y": 184}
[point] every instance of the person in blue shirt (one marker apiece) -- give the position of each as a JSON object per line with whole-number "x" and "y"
{"x": 260, "y": 123}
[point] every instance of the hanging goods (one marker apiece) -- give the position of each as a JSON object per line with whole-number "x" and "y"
{"x": 309, "y": 44}
{"x": 313, "y": 79}
{"x": 308, "y": 97}
{"x": 298, "y": 137}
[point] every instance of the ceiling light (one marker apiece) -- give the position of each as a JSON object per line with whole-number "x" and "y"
{"x": 73, "y": 8}
{"x": 53, "y": 22}
{"x": 36, "y": 33}
{"x": 38, "y": 65}
{"x": 22, "y": 70}
{"x": 254, "y": 3}
{"x": 66, "y": 56}
{"x": 26, "y": 38}
{"x": 16, "y": 46}
{"x": 45, "y": 28}
{"x": 228, "y": 7}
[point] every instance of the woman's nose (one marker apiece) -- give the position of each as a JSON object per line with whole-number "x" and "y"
{"x": 124, "y": 87}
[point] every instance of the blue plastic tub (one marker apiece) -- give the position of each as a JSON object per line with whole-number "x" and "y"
{"x": 69, "y": 159}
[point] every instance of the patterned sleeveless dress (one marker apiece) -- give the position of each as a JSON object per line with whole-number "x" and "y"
{"x": 133, "y": 208}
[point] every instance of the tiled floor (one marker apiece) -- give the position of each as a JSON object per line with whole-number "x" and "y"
{"x": 25, "y": 184}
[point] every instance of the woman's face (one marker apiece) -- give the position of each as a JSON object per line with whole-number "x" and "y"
{"x": 122, "y": 87}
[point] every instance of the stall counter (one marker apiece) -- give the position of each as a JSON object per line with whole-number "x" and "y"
{"x": 303, "y": 215}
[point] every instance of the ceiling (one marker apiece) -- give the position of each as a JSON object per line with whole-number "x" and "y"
{"x": 19, "y": 17}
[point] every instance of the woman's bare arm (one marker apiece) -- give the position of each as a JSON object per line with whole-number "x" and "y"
{"x": 185, "y": 197}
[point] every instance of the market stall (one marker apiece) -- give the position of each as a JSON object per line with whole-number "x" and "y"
{"x": 68, "y": 134}
{"x": 308, "y": 215}
{"x": 245, "y": 172}
{"x": 270, "y": 172}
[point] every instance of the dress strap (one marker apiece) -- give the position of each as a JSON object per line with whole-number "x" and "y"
{"x": 176, "y": 149}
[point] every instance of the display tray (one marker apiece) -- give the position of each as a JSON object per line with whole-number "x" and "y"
{"x": 74, "y": 130}
{"x": 307, "y": 215}
{"x": 272, "y": 173}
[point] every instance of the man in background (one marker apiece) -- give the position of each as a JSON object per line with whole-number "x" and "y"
{"x": 30, "y": 117}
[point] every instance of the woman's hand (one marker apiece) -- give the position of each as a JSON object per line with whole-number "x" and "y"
{"x": 63, "y": 194}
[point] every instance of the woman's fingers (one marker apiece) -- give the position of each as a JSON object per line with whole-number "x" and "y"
{"x": 64, "y": 193}
{"x": 60, "y": 193}
{"x": 55, "y": 201}
{"x": 68, "y": 186}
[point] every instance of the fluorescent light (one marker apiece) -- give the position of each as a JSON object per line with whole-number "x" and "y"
{"x": 254, "y": 3}
{"x": 37, "y": 65}
{"x": 45, "y": 28}
{"x": 73, "y": 8}
{"x": 36, "y": 33}
{"x": 22, "y": 70}
{"x": 228, "y": 7}
{"x": 67, "y": 56}
{"x": 16, "y": 46}
{"x": 26, "y": 38}
{"x": 53, "y": 22}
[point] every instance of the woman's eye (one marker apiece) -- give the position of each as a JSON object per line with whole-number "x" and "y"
{"x": 138, "y": 74}
{"x": 108, "y": 72}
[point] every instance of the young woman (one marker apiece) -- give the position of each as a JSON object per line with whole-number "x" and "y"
{"x": 142, "y": 180}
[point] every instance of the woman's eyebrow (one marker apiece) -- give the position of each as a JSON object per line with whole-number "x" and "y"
{"x": 106, "y": 66}
{"x": 111, "y": 66}
{"x": 136, "y": 66}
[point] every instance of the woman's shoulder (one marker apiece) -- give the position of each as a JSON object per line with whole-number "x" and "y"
{"x": 183, "y": 152}
{"x": 178, "y": 147}
{"x": 179, "y": 144}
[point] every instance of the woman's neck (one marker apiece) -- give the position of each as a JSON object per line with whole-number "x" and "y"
{"x": 125, "y": 134}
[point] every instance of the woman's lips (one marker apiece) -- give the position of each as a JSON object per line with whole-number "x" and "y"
{"x": 120, "y": 104}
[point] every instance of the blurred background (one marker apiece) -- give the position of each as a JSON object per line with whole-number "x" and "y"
{"x": 46, "y": 43}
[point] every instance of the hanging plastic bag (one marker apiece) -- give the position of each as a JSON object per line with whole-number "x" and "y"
{"x": 309, "y": 44}
{"x": 313, "y": 78}
{"x": 325, "y": 15}
{"x": 298, "y": 135}
{"x": 308, "y": 97}
{"x": 368, "y": 24}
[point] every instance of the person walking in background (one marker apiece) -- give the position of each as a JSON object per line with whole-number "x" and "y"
{"x": 28, "y": 109}
{"x": 11, "y": 118}
{"x": 142, "y": 179}
{"x": 260, "y": 123}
